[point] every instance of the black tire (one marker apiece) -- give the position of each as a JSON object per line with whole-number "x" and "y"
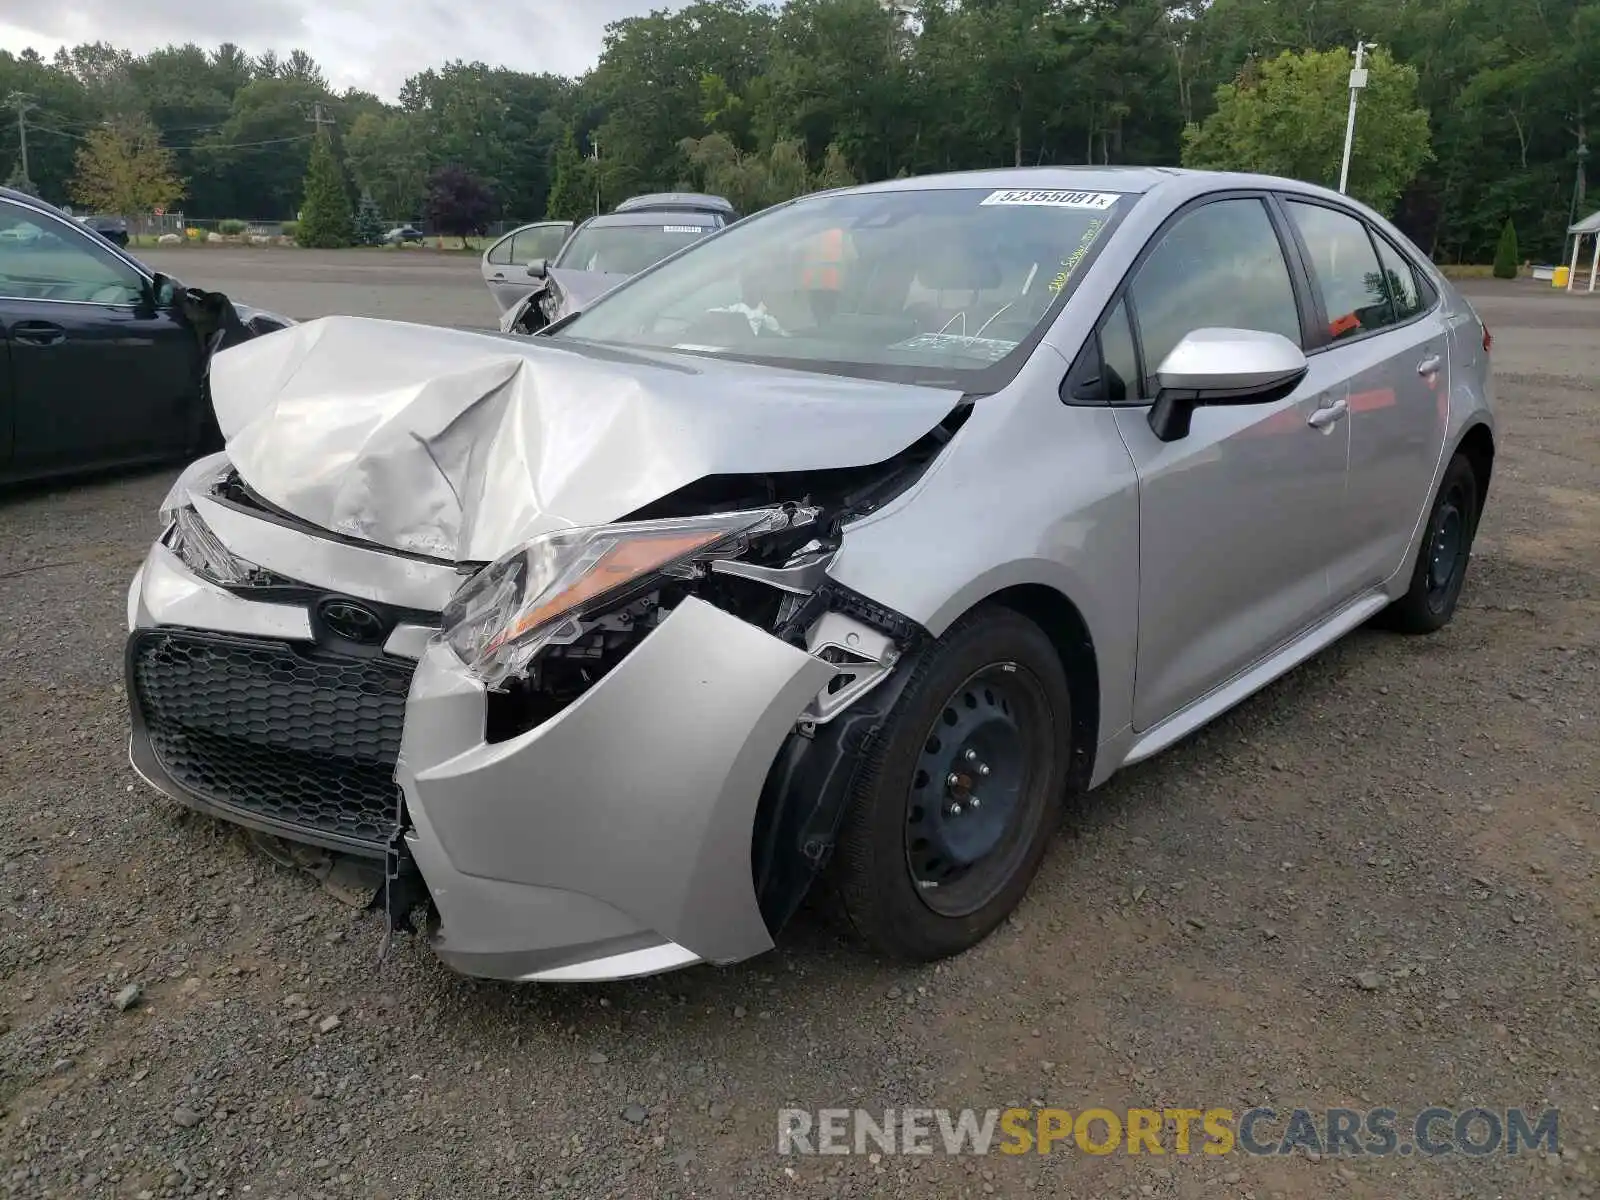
{"x": 992, "y": 667}
{"x": 1442, "y": 557}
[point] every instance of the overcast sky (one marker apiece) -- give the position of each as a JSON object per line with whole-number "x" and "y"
{"x": 359, "y": 43}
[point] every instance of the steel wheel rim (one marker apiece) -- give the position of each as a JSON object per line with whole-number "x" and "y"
{"x": 980, "y": 748}
{"x": 1447, "y": 546}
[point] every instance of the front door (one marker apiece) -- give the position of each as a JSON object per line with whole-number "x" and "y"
{"x": 505, "y": 266}
{"x": 1234, "y": 517}
{"x": 98, "y": 373}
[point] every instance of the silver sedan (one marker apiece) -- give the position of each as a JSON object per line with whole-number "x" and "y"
{"x": 848, "y": 541}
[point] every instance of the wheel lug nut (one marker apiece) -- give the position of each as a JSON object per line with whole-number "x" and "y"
{"x": 983, "y": 768}
{"x": 974, "y": 802}
{"x": 954, "y": 810}
{"x": 953, "y": 780}
{"x": 971, "y": 756}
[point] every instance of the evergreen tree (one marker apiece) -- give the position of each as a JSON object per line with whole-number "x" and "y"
{"x": 325, "y": 222}
{"x": 369, "y": 222}
{"x": 571, "y": 187}
{"x": 1505, "y": 254}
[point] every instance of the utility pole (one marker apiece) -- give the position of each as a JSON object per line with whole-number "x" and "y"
{"x": 594, "y": 153}
{"x": 316, "y": 118}
{"x": 1575, "y": 211}
{"x": 1358, "y": 80}
{"x": 22, "y": 104}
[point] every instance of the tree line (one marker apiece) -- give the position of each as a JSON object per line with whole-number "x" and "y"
{"x": 1474, "y": 114}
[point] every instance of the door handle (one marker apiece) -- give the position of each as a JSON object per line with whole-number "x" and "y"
{"x": 498, "y": 277}
{"x": 1329, "y": 415}
{"x": 1430, "y": 365}
{"x": 38, "y": 333}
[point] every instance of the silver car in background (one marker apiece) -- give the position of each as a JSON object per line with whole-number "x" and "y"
{"x": 504, "y": 265}
{"x": 849, "y": 541}
{"x": 603, "y": 252}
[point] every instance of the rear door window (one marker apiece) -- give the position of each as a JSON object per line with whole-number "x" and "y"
{"x": 1345, "y": 267}
{"x": 1401, "y": 278}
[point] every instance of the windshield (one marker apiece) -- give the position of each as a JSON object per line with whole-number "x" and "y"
{"x": 629, "y": 249}
{"x": 896, "y": 284}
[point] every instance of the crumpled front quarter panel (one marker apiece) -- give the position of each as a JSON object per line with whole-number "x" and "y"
{"x": 642, "y": 793}
{"x": 1031, "y": 491}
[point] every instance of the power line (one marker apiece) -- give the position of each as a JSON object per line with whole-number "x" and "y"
{"x": 78, "y": 137}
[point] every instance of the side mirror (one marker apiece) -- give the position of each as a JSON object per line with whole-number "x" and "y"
{"x": 162, "y": 291}
{"x": 538, "y": 268}
{"x": 1222, "y": 366}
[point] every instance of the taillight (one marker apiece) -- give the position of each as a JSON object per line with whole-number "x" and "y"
{"x": 1487, "y": 339}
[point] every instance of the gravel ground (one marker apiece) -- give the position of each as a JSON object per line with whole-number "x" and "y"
{"x": 1374, "y": 884}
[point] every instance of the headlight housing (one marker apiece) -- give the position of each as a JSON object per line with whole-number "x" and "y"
{"x": 199, "y": 549}
{"x": 202, "y": 475}
{"x": 185, "y": 533}
{"x": 538, "y": 594}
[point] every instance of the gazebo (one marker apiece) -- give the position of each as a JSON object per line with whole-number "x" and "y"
{"x": 1588, "y": 227}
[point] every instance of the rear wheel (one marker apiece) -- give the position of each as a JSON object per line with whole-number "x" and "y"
{"x": 1441, "y": 569}
{"x": 953, "y": 810}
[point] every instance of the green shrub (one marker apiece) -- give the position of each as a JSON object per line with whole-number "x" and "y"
{"x": 291, "y": 229}
{"x": 1505, "y": 254}
{"x": 232, "y": 228}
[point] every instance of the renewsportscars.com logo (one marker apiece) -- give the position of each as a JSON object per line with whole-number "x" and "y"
{"x": 1336, "y": 1132}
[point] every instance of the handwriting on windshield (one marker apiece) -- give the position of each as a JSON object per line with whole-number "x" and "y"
{"x": 1070, "y": 263}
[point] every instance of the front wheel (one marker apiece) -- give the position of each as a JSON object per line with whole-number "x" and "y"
{"x": 952, "y": 811}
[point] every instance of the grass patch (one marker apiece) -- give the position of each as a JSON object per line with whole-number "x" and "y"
{"x": 1468, "y": 270}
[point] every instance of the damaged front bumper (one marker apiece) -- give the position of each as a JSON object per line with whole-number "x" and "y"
{"x": 619, "y": 829}
{"x": 612, "y": 839}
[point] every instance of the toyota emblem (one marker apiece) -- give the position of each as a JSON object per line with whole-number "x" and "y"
{"x": 352, "y": 621}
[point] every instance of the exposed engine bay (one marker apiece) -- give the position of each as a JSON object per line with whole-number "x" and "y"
{"x": 777, "y": 581}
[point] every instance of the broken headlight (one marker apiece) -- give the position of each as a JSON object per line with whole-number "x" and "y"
{"x": 199, "y": 549}
{"x": 202, "y": 475}
{"x": 537, "y": 595}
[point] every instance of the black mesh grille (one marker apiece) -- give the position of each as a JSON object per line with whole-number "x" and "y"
{"x": 301, "y": 738}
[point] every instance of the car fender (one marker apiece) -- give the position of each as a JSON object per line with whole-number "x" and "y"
{"x": 1068, "y": 521}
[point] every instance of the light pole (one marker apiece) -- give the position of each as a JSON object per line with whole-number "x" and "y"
{"x": 1358, "y": 80}
{"x": 1577, "y": 183}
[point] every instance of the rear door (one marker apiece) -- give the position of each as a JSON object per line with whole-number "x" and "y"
{"x": 1384, "y": 332}
{"x": 1234, "y": 518}
{"x": 505, "y": 265}
{"x": 98, "y": 373}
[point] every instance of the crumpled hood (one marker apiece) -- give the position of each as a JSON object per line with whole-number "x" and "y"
{"x": 461, "y": 446}
{"x": 579, "y": 288}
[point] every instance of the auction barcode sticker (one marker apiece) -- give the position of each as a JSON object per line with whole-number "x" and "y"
{"x": 682, "y": 229}
{"x": 1053, "y": 199}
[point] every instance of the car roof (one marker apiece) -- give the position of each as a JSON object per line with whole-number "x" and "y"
{"x": 32, "y": 202}
{"x": 692, "y": 201}
{"x": 650, "y": 216}
{"x": 1129, "y": 179}
{"x": 1107, "y": 179}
